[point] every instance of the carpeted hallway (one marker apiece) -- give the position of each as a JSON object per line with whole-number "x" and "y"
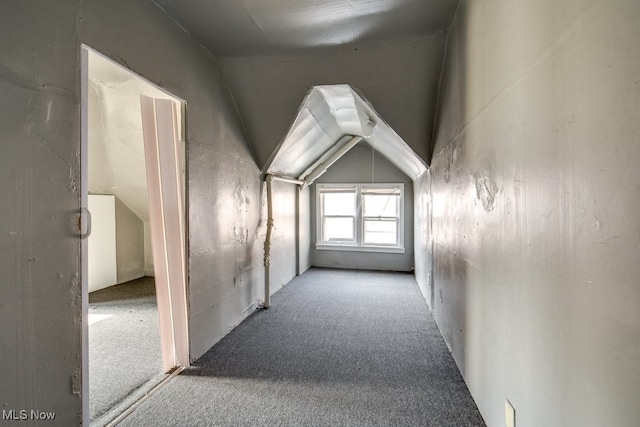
{"x": 337, "y": 348}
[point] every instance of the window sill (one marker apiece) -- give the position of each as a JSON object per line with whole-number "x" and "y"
{"x": 353, "y": 248}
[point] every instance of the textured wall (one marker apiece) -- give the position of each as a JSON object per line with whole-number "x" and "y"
{"x": 283, "y": 247}
{"x": 40, "y": 312}
{"x": 356, "y": 167}
{"x": 40, "y": 307}
{"x": 536, "y": 194}
{"x": 305, "y": 236}
{"x": 225, "y": 197}
{"x": 423, "y": 250}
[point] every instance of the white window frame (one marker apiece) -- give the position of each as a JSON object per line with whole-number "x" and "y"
{"x": 358, "y": 243}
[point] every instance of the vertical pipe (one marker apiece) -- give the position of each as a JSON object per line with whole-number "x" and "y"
{"x": 297, "y": 231}
{"x": 267, "y": 243}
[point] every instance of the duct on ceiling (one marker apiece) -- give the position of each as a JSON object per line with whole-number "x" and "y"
{"x": 327, "y": 119}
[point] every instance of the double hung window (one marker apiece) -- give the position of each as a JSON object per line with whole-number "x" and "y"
{"x": 363, "y": 217}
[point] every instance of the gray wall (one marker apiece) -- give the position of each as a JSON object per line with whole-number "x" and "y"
{"x": 423, "y": 243}
{"x": 399, "y": 77}
{"x": 305, "y": 238}
{"x": 283, "y": 246}
{"x": 40, "y": 307}
{"x": 535, "y": 209}
{"x": 226, "y": 200}
{"x": 40, "y": 315}
{"x": 355, "y": 167}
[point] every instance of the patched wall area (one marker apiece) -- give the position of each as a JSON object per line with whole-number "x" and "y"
{"x": 535, "y": 201}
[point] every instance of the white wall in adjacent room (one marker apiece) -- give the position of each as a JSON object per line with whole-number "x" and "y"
{"x": 129, "y": 244}
{"x": 103, "y": 271}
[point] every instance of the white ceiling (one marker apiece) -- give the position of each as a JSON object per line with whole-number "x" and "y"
{"x": 247, "y": 27}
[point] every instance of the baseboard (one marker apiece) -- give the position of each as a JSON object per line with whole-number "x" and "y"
{"x": 130, "y": 278}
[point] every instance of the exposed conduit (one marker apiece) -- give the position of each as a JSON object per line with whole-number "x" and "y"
{"x": 283, "y": 179}
{"x": 322, "y": 167}
{"x": 308, "y": 180}
{"x": 267, "y": 241}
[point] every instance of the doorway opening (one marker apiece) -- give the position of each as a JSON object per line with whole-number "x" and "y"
{"x": 134, "y": 292}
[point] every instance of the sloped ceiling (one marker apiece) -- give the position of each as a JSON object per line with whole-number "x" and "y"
{"x": 116, "y": 148}
{"x": 273, "y": 52}
{"x": 250, "y": 27}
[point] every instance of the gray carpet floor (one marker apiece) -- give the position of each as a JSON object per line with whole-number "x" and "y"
{"x": 124, "y": 348}
{"x": 336, "y": 348}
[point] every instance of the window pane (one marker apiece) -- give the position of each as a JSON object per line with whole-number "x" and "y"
{"x": 380, "y": 232}
{"x": 339, "y": 203}
{"x": 380, "y": 205}
{"x": 337, "y": 230}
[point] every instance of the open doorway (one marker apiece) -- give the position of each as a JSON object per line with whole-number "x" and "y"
{"x": 133, "y": 256}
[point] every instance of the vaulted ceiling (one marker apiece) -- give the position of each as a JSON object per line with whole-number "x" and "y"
{"x": 273, "y": 52}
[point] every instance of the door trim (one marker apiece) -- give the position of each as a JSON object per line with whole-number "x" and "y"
{"x": 177, "y": 314}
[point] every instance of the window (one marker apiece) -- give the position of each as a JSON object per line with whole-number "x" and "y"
{"x": 362, "y": 217}
{"x": 339, "y": 216}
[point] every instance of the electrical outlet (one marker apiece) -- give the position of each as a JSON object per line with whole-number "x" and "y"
{"x": 509, "y": 414}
